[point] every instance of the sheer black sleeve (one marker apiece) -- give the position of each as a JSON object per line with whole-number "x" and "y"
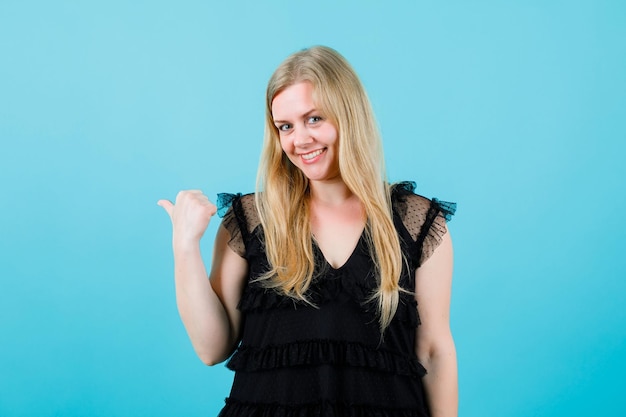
{"x": 239, "y": 218}
{"x": 424, "y": 219}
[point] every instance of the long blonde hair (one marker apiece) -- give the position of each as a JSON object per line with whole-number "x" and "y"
{"x": 282, "y": 194}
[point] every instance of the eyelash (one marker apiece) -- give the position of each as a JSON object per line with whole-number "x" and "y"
{"x": 311, "y": 120}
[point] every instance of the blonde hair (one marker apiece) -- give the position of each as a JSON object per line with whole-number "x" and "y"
{"x": 283, "y": 191}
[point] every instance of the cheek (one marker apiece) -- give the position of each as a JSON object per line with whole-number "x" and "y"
{"x": 285, "y": 145}
{"x": 331, "y": 134}
{"x": 282, "y": 143}
{"x": 332, "y": 139}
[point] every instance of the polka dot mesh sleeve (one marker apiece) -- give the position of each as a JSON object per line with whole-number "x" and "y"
{"x": 240, "y": 218}
{"x": 424, "y": 219}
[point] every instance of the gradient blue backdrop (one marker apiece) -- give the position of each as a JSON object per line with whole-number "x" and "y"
{"x": 515, "y": 110}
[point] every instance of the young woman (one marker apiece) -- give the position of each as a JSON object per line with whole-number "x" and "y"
{"x": 316, "y": 278}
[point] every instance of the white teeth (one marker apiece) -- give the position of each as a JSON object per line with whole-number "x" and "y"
{"x": 312, "y": 154}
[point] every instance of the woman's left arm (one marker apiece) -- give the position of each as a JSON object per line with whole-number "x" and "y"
{"x": 434, "y": 344}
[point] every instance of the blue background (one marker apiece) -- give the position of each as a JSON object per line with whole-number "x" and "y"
{"x": 515, "y": 110}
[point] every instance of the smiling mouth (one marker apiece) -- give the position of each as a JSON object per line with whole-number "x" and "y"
{"x": 311, "y": 155}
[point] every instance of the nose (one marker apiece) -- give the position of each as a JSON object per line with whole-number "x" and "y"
{"x": 302, "y": 137}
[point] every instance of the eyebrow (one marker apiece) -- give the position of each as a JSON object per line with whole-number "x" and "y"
{"x": 304, "y": 116}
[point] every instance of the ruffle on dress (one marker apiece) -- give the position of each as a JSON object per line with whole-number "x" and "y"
{"x": 318, "y": 352}
{"x": 225, "y": 201}
{"x": 234, "y": 219}
{"x": 423, "y": 219}
{"x": 255, "y": 297}
{"x": 236, "y": 408}
{"x": 400, "y": 190}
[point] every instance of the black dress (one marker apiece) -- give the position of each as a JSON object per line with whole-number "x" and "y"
{"x": 298, "y": 360}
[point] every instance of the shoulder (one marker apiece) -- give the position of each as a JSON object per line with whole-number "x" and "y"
{"x": 241, "y": 206}
{"x": 410, "y": 207}
{"x": 240, "y": 218}
{"x": 248, "y": 209}
{"x": 423, "y": 218}
{"x": 415, "y": 210}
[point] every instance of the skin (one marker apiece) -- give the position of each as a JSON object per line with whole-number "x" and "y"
{"x": 208, "y": 307}
{"x": 434, "y": 344}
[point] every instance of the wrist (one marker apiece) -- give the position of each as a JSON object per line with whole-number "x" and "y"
{"x": 183, "y": 245}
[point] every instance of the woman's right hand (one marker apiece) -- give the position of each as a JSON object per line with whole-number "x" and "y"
{"x": 190, "y": 216}
{"x": 208, "y": 307}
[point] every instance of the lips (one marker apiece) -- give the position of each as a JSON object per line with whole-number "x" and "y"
{"x": 309, "y": 156}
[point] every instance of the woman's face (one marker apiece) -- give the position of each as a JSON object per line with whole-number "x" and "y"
{"x": 308, "y": 139}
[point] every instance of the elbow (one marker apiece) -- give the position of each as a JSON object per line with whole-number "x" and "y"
{"x": 440, "y": 349}
{"x": 210, "y": 359}
{"x": 214, "y": 353}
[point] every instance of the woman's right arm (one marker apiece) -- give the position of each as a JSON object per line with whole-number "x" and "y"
{"x": 208, "y": 307}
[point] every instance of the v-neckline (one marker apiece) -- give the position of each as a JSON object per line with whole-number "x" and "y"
{"x": 347, "y": 261}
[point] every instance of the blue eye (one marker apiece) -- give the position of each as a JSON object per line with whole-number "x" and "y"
{"x": 285, "y": 127}
{"x": 314, "y": 119}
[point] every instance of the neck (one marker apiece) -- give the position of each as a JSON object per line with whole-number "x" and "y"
{"x": 330, "y": 193}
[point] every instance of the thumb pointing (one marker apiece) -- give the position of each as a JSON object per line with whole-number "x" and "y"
{"x": 167, "y": 206}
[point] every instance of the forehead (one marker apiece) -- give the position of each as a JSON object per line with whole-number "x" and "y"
{"x": 294, "y": 100}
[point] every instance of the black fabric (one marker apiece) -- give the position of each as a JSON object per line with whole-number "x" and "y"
{"x": 328, "y": 359}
